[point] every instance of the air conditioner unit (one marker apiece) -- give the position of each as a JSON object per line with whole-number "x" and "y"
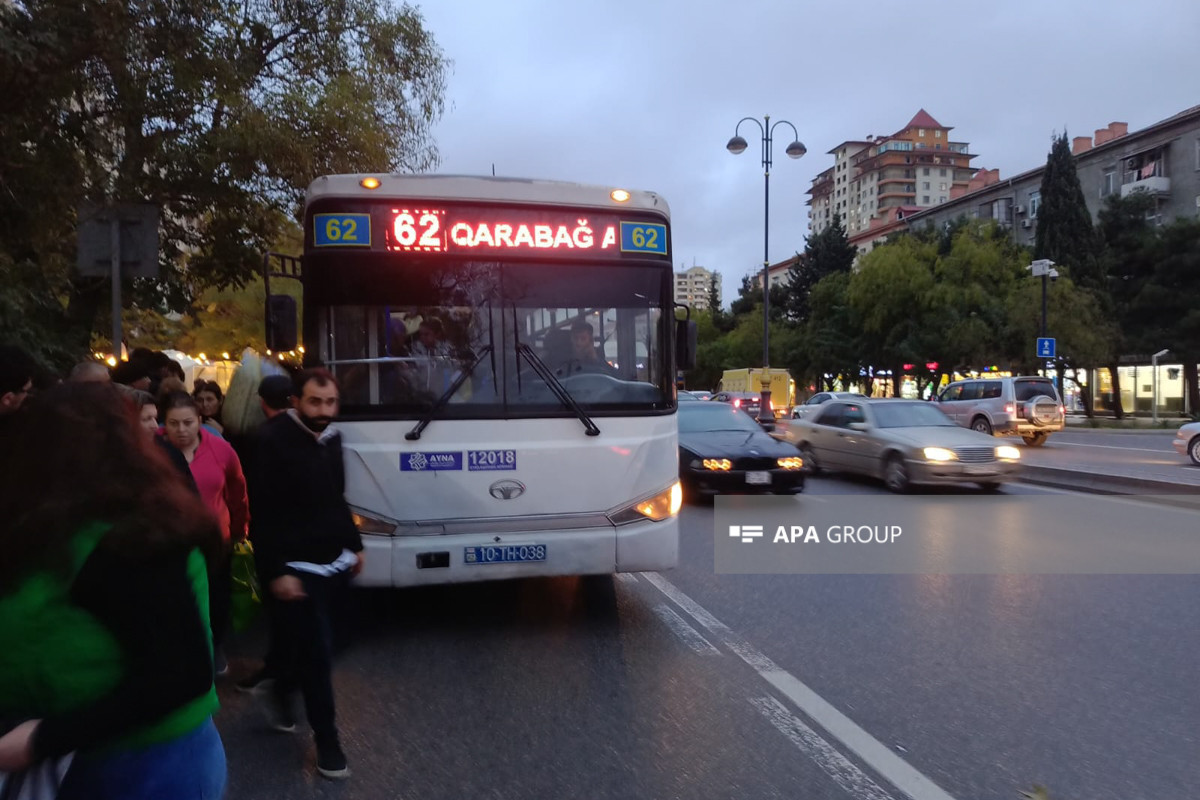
{"x": 1026, "y": 223}
{"x": 1019, "y": 209}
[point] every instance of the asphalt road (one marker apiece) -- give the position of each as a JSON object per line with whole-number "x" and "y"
{"x": 1137, "y": 455}
{"x": 695, "y": 685}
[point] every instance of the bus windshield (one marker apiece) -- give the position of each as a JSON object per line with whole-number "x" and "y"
{"x": 399, "y": 331}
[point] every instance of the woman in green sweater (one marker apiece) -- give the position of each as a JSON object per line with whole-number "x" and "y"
{"x": 105, "y": 649}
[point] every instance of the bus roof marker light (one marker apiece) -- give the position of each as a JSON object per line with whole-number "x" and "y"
{"x": 619, "y": 195}
{"x": 369, "y": 183}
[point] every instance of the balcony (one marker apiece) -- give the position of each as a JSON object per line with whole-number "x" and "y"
{"x": 1156, "y": 185}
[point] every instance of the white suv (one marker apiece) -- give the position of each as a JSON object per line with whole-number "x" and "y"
{"x": 1029, "y": 407}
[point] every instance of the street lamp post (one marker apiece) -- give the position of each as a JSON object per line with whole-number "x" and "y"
{"x": 1154, "y": 362}
{"x": 1044, "y": 268}
{"x": 796, "y": 149}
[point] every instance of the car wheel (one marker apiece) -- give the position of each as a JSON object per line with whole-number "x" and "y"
{"x": 1035, "y": 439}
{"x": 811, "y": 465}
{"x": 895, "y": 474}
{"x": 982, "y": 425}
{"x": 1194, "y": 450}
{"x": 989, "y": 486}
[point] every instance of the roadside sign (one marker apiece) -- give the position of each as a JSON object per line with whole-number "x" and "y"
{"x": 1045, "y": 348}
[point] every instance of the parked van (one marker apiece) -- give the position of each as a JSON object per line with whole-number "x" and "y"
{"x": 1026, "y": 406}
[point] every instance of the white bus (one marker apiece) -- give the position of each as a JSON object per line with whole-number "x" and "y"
{"x": 507, "y": 352}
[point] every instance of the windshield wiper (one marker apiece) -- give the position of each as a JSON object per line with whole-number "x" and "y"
{"x": 441, "y": 402}
{"x": 559, "y": 390}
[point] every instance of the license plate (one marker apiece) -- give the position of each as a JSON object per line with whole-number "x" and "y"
{"x": 758, "y": 477}
{"x": 504, "y": 553}
{"x": 978, "y": 469}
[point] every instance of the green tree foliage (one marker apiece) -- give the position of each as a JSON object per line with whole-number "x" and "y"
{"x": 1169, "y": 302}
{"x": 1064, "y": 224}
{"x": 220, "y": 113}
{"x": 827, "y": 253}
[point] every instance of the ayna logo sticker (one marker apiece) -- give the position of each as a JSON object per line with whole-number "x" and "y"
{"x": 506, "y": 490}
{"x": 430, "y": 462}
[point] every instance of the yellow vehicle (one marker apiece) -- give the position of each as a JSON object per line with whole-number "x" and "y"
{"x": 783, "y": 388}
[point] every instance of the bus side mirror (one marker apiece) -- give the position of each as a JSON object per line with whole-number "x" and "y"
{"x": 281, "y": 323}
{"x": 685, "y": 344}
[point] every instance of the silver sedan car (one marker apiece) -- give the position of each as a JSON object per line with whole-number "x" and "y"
{"x": 819, "y": 399}
{"x": 1187, "y": 441}
{"x": 904, "y": 442}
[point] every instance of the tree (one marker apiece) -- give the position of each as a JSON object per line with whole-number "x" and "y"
{"x": 1128, "y": 243}
{"x": 826, "y": 253}
{"x": 1064, "y": 224}
{"x": 1170, "y": 300}
{"x": 890, "y": 293}
{"x": 220, "y": 113}
{"x": 714, "y": 297}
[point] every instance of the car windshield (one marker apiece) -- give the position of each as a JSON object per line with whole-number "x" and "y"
{"x": 909, "y": 415}
{"x": 703, "y": 417}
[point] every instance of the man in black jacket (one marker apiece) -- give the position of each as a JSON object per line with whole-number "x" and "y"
{"x": 307, "y": 548}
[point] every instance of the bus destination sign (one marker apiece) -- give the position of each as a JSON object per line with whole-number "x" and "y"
{"x": 475, "y": 230}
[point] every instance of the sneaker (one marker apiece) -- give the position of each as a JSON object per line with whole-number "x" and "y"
{"x": 279, "y": 713}
{"x": 331, "y": 761}
{"x": 255, "y": 684}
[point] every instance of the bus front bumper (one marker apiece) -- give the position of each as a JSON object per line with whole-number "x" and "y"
{"x": 413, "y": 560}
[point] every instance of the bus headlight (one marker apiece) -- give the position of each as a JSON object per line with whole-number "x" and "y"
{"x": 661, "y": 506}
{"x": 372, "y": 525}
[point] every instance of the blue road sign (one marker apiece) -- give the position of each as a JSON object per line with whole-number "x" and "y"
{"x": 1045, "y": 348}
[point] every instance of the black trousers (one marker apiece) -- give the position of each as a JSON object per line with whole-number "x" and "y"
{"x": 220, "y": 595}
{"x": 302, "y": 632}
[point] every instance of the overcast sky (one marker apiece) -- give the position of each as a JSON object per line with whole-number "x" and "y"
{"x": 645, "y": 93}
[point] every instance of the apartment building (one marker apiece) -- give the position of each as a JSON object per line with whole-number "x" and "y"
{"x": 692, "y": 287}
{"x": 877, "y": 182}
{"x": 1162, "y": 159}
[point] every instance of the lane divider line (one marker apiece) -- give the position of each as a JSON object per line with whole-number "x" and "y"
{"x": 878, "y": 756}
{"x": 689, "y": 635}
{"x": 844, "y": 773}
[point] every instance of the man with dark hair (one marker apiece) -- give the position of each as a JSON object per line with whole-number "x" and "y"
{"x": 308, "y": 548}
{"x": 135, "y": 374}
{"x": 586, "y": 359}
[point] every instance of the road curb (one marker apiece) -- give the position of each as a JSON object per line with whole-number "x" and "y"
{"x": 1101, "y": 483}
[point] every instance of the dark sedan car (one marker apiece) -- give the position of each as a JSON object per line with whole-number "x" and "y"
{"x": 723, "y": 450}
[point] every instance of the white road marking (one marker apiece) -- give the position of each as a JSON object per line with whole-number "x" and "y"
{"x": 853, "y": 780}
{"x": 680, "y": 627}
{"x": 626, "y": 577}
{"x": 874, "y": 753}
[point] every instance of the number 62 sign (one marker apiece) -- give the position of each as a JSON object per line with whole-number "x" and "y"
{"x": 342, "y": 230}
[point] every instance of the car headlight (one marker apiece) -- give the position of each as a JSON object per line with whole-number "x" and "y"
{"x": 723, "y": 464}
{"x": 372, "y": 525}
{"x": 938, "y": 454}
{"x": 1008, "y": 453}
{"x": 793, "y": 462}
{"x": 661, "y": 506}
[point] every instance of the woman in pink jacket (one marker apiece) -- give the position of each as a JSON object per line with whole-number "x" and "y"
{"x": 222, "y": 485}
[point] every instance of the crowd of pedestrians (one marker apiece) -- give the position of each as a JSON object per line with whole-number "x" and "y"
{"x": 122, "y": 503}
